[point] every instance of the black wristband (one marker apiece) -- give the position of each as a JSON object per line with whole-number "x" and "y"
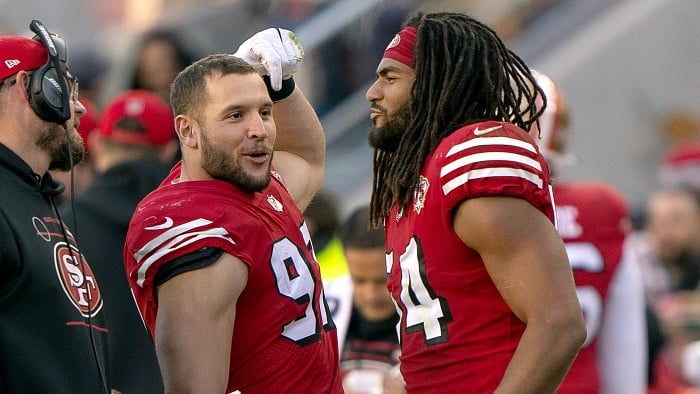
{"x": 278, "y": 95}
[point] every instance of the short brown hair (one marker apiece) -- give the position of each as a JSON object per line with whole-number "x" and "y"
{"x": 188, "y": 93}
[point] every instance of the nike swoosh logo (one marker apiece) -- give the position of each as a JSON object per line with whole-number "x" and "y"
{"x": 166, "y": 224}
{"x": 484, "y": 131}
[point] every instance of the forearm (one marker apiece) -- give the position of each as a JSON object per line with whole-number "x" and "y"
{"x": 542, "y": 359}
{"x": 300, "y": 147}
{"x": 299, "y": 131}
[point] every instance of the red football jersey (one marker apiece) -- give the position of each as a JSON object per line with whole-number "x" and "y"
{"x": 457, "y": 333}
{"x": 284, "y": 340}
{"x": 590, "y": 220}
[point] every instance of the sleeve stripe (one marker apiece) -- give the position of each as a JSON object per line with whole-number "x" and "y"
{"x": 489, "y": 156}
{"x": 485, "y": 141}
{"x": 172, "y": 240}
{"x": 491, "y": 172}
{"x": 177, "y": 243}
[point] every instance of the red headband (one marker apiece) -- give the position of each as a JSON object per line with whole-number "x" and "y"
{"x": 401, "y": 46}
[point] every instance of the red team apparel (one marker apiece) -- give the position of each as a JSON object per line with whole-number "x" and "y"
{"x": 457, "y": 333}
{"x": 590, "y": 219}
{"x": 284, "y": 340}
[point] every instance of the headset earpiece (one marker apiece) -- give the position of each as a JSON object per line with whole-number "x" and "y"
{"x": 48, "y": 92}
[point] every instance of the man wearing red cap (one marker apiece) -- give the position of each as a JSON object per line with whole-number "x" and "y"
{"x": 131, "y": 150}
{"x": 219, "y": 257}
{"x": 476, "y": 267}
{"x": 53, "y": 336}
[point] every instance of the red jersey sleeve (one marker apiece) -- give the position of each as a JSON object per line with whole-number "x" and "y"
{"x": 492, "y": 159}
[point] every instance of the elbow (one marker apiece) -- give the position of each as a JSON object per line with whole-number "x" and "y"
{"x": 572, "y": 330}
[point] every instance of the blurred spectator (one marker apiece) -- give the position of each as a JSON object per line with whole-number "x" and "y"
{"x": 81, "y": 173}
{"x": 131, "y": 154}
{"x": 160, "y": 54}
{"x": 322, "y": 219}
{"x": 92, "y": 69}
{"x": 667, "y": 247}
{"x": 593, "y": 220}
{"x": 362, "y": 310}
{"x": 673, "y": 228}
{"x": 677, "y": 369}
{"x": 680, "y": 165}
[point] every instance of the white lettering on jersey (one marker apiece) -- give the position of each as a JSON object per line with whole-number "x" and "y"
{"x": 568, "y": 226}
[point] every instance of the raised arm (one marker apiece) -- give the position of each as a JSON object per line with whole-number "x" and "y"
{"x": 300, "y": 146}
{"x": 526, "y": 259}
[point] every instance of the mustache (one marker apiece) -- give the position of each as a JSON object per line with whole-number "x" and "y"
{"x": 378, "y": 108}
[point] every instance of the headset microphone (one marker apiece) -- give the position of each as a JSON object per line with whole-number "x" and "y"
{"x": 49, "y": 92}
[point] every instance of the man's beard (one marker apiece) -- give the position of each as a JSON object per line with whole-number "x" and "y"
{"x": 388, "y": 136}
{"x": 55, "y": 139}
{"x": 218, "y": 163}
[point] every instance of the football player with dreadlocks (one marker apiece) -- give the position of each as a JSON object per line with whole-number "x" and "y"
{"x": 476, "y": 267}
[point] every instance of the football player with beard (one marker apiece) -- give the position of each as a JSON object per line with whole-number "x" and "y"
{"x": 476, "y": 267}
{"x": 52, "y": 331}
{"x": 219, "y": 257}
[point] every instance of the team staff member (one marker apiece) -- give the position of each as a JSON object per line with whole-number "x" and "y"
{"x": 52, "y": 330}
{"x": 217, "y": 256}
{"x": 486, "y": 295}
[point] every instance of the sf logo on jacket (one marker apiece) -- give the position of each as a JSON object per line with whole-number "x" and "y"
{"x": 73, "y": 271}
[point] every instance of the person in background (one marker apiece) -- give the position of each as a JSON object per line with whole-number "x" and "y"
{"x": 593, "y": 220}
{"x": 322, "y": 219}
{"x": 131, "y": 152}
{"x": 160, "y": 55}
{"x": 218, "y": 256}
{"x": 673, "y": 229}
{"x": 53, "y": 336}
{"x": 672, "y": 278}
{"x": 362, "y": 309}
{"x": 92, "y": 70}
{"x": 476, "y": 267}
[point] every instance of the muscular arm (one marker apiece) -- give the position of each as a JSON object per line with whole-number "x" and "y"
{"x": 300, "y": 147}
{"x": 527, "y": 262}
{"x": 194, "y": 326}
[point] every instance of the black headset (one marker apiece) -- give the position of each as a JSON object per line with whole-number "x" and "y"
{"x": 48, "y": 89}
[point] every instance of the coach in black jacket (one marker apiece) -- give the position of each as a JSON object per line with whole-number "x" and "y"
{"x": 52, "y": 327}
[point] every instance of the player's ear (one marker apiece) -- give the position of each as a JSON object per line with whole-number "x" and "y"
{"x": 187, "y": 129}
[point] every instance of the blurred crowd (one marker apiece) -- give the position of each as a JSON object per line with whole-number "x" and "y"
{"x": 665, "y": 238}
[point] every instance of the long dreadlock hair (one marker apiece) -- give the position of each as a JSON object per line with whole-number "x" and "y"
{"x": 464, "y": 74}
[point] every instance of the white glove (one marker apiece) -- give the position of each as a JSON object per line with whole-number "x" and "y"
{"x": 275, "y": 52}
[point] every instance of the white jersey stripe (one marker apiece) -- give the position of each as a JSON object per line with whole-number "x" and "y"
{"x": 491, "y": 172}
{"x": 486, "y": 141}
{"x": 176, "y": 243}
{"x": 173, "y": 232}
{"x": 174, "y": 236}
{"x": 489, "y": 156}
